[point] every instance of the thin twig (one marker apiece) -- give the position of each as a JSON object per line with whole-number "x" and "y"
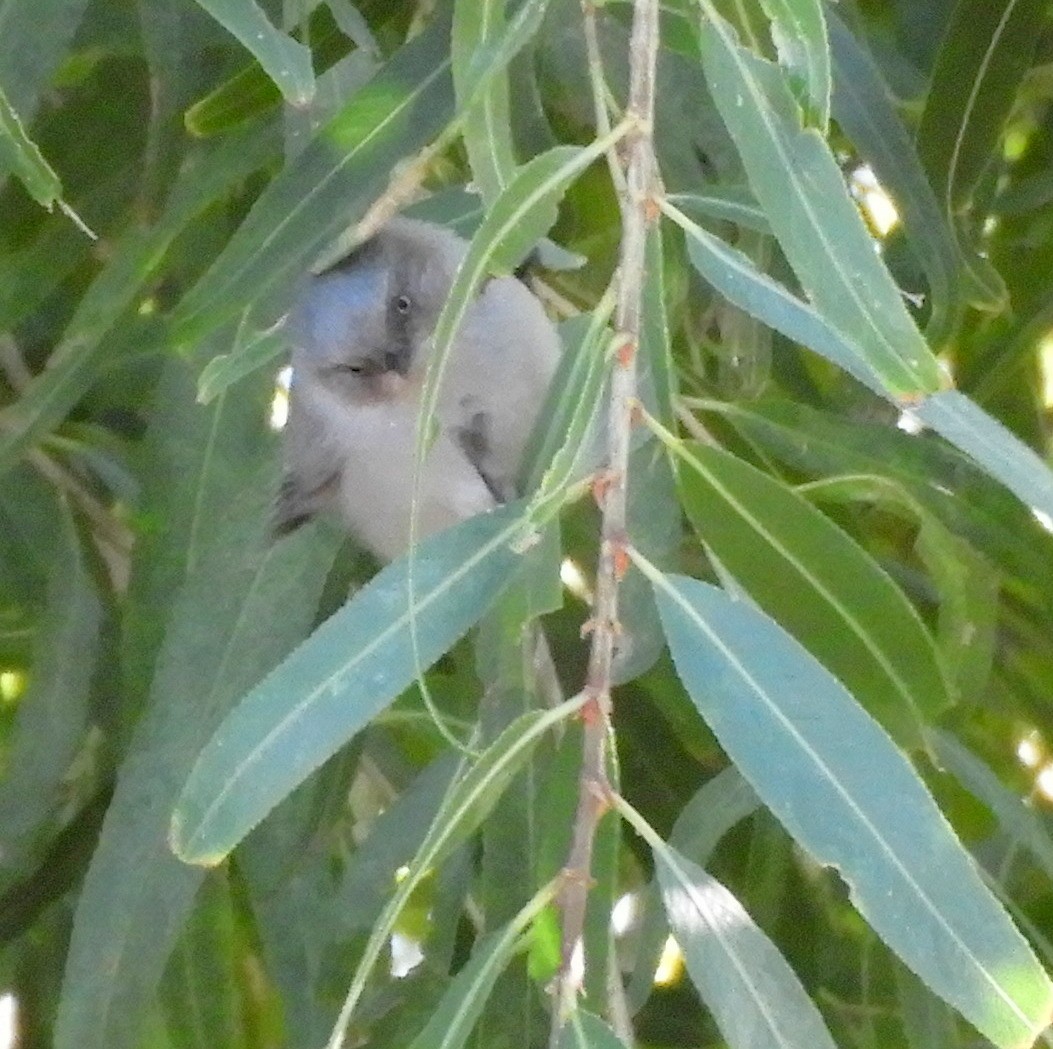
{"x": 639, "y": 211}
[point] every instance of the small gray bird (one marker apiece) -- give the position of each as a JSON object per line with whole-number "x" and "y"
{"x": 362, "y": 337}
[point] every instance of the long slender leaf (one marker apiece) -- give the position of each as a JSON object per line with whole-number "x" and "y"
{"x": 468, "y": 802}
{"x": 1019, "y": 821}
{"x": 798, "y": 183}
{"x": 940, "y": 477}
{"x": 136, "y": 258}
{"x": 739, "y": 280}
{"x": 735, "y": 204}
{"x": 350, "y": 669}
{"x": 864, "y": 110}
{"x": 53, "y": 713}
{"x": 840, "y": 787}
{"x": 19, "y": 154}
{"x": 997, "y": 452}
{"x": 286, "y": 62}
{"x": 223, "y": 635}
{"x": 487, "y": 124}
{"x": 798, "y": 28}
{"x": 330, "y": 183}
{"x": 456, "y": 1014}
{"x": 717, "y": 806}
{"x": 752, "y": 992}
{"x": 984, "y": 53}
{"x": 819, "y": 584}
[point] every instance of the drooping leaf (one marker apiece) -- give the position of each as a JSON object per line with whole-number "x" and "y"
{"x": 328, "y": 185}
{"x": 54, "y": 711}
{"x": 466, "y": 805}
{"x": 797, "y": 181}
{"x": 864, "y": 110}
{"x": 985, "y": 52}
{"x": 844, "y": 792}
{"x": 753, "y": 994}
{"x": 349, "y": 670}
{"x": 940, "y": 477}
{"x": 20, "y": 155}
{"x": 487, "y": 125}
{"x": 819, "y": 584}
{"x": 223, "y": 635}
{"x": 286, "y": 61}
{"x": 966, "y": 584}
{"x": 738, "y": 279}
{"x": 1024, "y": 826}
{"x": 455, "y": 1016}
{"x": 76, "y": 361}
{"x": 997, "y": 452}
{"x": 798, "y": 29}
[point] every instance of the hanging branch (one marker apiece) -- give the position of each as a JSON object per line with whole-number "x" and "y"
{"x": 636, "y": 193}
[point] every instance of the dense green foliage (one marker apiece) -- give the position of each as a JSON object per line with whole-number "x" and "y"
{"x": 233, "y": 801}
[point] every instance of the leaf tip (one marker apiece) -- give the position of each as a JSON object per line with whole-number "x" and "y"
{"x": 184, "y": 846}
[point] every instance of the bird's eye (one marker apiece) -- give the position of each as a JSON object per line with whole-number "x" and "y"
{"x": 403, "y": 304}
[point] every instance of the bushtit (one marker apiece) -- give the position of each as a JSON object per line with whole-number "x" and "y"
{"x": 362, "y": 336}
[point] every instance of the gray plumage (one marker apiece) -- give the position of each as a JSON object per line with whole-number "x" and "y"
{"x": 362, "y": 338}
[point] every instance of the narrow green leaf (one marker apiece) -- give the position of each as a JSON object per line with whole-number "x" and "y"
{"x": 583, "y": 1030}
{"x": 748, "y": 986}
{"x": 224, "y": 369}
{"x": 284, "y": 60}
{"x": 524, "y": 213}
{"x": 487, "y": 124}
{"x": 718, "y": 805}
{"x": 251, "y": 92}
{"x": 967, "y": 585}
{"x": 798, "y": 29}
{"x": 136, "y": 258}
{"x": 735, "y": 204}
{"x": 349, "y": 670}
{"x": 29, "y": 57}
{"x": 199, "y": 993}
{"x": 655, "y": 521}
{"x": 991, "y": 446}
{"x": 566, "y": 450}
{"x": 738, "y": 279}
{"x": 223, "y": 635}
{"x": 455, "y": 1016}
{"x": 187, "y": 460}
{"x": 864, "y": 110}
{"x": 846, "y": 794}
{"x": 819, "y": 584}
{"x": 1019, "y": 821}
{"x": 937, "y": 475}
{"x": 798, "y": 183}
{"x": 20, "y": 155}
{"x": 465, "y": 806}
{"x": 985, "y": 52}
{"x": 344, "y": 168}
{"x": 304, "y": 914}
{"x": 53, "y": 713}
{"x": 656, "y": 376}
